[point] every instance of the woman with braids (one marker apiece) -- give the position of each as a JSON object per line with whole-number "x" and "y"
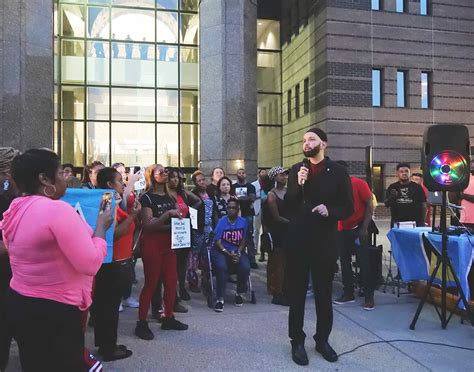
{"x": 52, "y": 273}
{"x": 159, "y": 260}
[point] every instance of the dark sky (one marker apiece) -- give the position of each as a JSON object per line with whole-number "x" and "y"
{"x": 269, "y": 9}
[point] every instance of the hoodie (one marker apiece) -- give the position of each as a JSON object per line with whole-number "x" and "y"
{"x": 53, "y": 253}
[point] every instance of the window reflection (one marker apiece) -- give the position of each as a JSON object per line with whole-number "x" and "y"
{"x": 167, "y": 4}
{"x": 269, "y": 109}
{"x": 269, "y": 146}
{"x": 167, "y": 105}
{"x": 98, "y": 62}
{"x": 189, "y": 68}
{"x": 167, "y": 66}
{"x": 189, "y": 145}
{"x": 98, "y": 23}
{"x": 132, "y": 25}
{"x": 189, "y": 29}
{"x": 133, "y": 143}
{"x": 190, "y": 106}
{"x": 72, "y": 20}
{"x": 133, "y": 104}
{"x": 98, "y": 135}
{"x": 166, "y": 27}
{"x": 72, "y": 102}
{"x": 135, "y": 3}
{"x": 268, "y": 72}
{"x": 190, "y": 5}
{"x": 268, "y": 34}
{"x": 133, "y": 64}
{"x": 167, "y": 144}
{"x": 72, "y": 61}
{"x": 98, "y": 103}
{"x": 72, "y": 142}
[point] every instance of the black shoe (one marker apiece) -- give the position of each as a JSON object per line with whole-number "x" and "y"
{"x": 183, "y": 293}
{"x": 143, "y": 331}
{"x": 219, "y": 308}
{"x": 179, "y": 308}
{"x": 169, "y": 324}
{"x": 280, "y": 300}
{"x": 262, "y": 257}
{"x": 326, "y": 351}
{"x": 298, "y": 354}
{"x": 239, "y": 301}
{"x": 119, "y": 352}
{"x": 344, "y": 299}
{"x": 253, "y": 265}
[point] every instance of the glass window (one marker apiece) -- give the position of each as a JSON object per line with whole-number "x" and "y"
{"x": 288, "y": 104}
{"x": 167, "y": 105}
{"x": 189, "y": 145}
{"x": 134, "y": 3}
{"x": 376, "y": 88}
{"x": 423, "y": 7}
{"x": 133, "y": 25}
{"x": 167, "y": 144}
{"x": 55, "y": 137}
{"x": 98, "y": 23}
{"x": 189, "y": 78}
{"x": 55, "y": 102}
{"x": 98, "y": 62}
{"x": 98, "y": 141}
{"x": 72, "y": 102}
{"x": 400, "y": 6}
{"x": 297, "y": 101}
{"x": 401, "y": 89}
{"x": 133, "y": 104}
{"x": 72, "y": 20}
{"x": 133, "y": 143}
{"x": 269, "y": 109}
{"x": 133, "y": 64}
{"x": 306, "y": 96}
{"x": 189, "y": 29}
{"x": 56, "y": 59}
{"x": 190, "y": 5}
{"x": 167, "y": 4}
{"x": 268, "y": 34}
{"x": 98, "y": 103}
{"x": 189, "y": 106}
{"x": 72, "y": 61}
{"x": 268, "y": 72}
{"x": 425, "y": 98}
{"x": 101, "y": 2}
{"x": 167, "y": 27}
{"x": 375, "y": 4}
{"x": 167, "y": 66}
{"x": 72, "y": 142}
{"x": 269, "y": 146}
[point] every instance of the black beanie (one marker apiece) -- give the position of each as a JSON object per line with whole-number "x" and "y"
{"x": 319, "y": 132}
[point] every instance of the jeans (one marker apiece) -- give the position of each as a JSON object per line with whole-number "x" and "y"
{"x": 346, "y": 244}
{"x": 221, "y": 263}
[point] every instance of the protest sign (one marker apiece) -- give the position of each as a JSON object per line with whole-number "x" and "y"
{"x": 180, "y": 233}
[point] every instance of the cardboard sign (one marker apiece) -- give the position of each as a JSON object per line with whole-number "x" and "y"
{"x": 180, "y": 233}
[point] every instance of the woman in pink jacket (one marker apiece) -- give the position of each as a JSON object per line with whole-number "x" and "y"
{"x": 54, "y": 256}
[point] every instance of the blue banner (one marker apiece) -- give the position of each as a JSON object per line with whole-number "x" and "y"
{"x": 87, "y": 204}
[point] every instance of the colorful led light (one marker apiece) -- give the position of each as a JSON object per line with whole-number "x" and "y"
{"x": 448, "y": 167}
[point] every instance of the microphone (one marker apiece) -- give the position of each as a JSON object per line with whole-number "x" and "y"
{"x": 306, "y": 165}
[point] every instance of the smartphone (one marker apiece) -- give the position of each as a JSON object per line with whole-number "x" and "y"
{"x": 106, "y": 202}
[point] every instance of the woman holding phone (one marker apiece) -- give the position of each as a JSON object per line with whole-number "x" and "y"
{"x": 159, "y": 260}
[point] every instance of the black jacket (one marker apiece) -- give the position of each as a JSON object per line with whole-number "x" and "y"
{"x": 307, "y": 229}
{"x": 202, "y": 211}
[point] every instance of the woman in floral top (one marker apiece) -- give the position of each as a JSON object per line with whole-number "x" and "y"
{"x": 224, "y": 194}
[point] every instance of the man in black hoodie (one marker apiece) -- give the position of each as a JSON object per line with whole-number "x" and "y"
{"x": 319, "y": 194}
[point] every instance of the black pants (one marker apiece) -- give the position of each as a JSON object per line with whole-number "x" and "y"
{"x": 182, "y": 265}
{"x": 128, "y": 271}
{"x": 346, "y": 245}
{"x": 301, "y": 262}
{"x": 107, "y": 297}
{"x": 5, "y": 334}
{"x": 48, "y": 333}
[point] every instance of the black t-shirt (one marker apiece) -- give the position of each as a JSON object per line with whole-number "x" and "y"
{"x": 406, "y": 205}
{"x": 246, "y": 207}
{"x": 159, "y": 204}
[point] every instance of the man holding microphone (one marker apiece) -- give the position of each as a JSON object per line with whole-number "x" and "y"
{"x": 319, "y": 194}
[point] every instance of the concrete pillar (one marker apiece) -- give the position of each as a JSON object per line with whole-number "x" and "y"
{"x": 228, "y": 87}
{"x": 26, "y": 73}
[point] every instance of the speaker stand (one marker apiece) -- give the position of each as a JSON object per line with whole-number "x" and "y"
{"x": 444, "y": 262}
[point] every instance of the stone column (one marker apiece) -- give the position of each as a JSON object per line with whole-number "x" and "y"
{"x": 228, "y": 66}
{"x": 26, "y": 73}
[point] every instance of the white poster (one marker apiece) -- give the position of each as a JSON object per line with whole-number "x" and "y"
{"x": 180, "y": 233}
{"x": 141, "y": 183}
{"x": 193, "y": 214}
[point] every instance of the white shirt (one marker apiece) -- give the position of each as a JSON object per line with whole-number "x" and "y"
{"x": 257, "y": 204}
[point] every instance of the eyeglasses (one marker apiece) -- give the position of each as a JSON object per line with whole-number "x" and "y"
{"x": 162, "y": 171}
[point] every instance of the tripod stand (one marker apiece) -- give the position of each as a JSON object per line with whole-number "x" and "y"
{"x": 444, "y": 262}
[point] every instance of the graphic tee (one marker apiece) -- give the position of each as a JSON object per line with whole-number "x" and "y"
{"x": 246, "y": 207}
{"x": 407, "y": 203}
{"x": 231, "y": 234}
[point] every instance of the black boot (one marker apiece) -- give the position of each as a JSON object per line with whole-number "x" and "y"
{"x": 173, "y": 324}
{"x": 298, "y": 353}
{"x": 143, "y": 331}
{"x": 326, "y": 351}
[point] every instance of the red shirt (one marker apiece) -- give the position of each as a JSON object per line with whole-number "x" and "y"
{"x": 123, "y": 247}
{"x": 361, "y": 194}
{"x": 315, "y": 169}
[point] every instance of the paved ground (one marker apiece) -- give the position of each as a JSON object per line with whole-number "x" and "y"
{"x": 254, "y": 337}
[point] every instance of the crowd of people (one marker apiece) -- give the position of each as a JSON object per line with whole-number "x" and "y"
{"x": 58, "y": 278}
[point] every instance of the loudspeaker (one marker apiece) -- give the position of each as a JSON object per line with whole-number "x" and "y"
{"x": 446, "y": 157}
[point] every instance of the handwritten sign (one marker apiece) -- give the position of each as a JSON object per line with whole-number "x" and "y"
{"x": 180, "y": 233}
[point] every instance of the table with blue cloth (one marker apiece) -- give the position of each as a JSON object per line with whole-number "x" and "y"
{"x": 413, "y": 263}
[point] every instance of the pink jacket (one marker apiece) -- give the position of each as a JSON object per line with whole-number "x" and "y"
{"x": 52, "y": 251}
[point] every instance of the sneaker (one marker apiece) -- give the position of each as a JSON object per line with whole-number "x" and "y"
{"x": 130, "y": 302}
{"x": 183, "y": 293}
{"x": 344, "y": 299}
{"x": 369, "y": 305}
{"x": 173, "y": 324}
{"x": 120, "y": 308}
{"x": 239, "y": 301}
{"x": 179, "y": 308}
{"x": 143, "y": 331}
{"x": 219, "y": 308}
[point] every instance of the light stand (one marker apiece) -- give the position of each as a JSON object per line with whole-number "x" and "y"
{"x": 444, "y": 262}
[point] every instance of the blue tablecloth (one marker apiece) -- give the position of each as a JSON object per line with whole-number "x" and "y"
{"x": 411, "y": 259}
